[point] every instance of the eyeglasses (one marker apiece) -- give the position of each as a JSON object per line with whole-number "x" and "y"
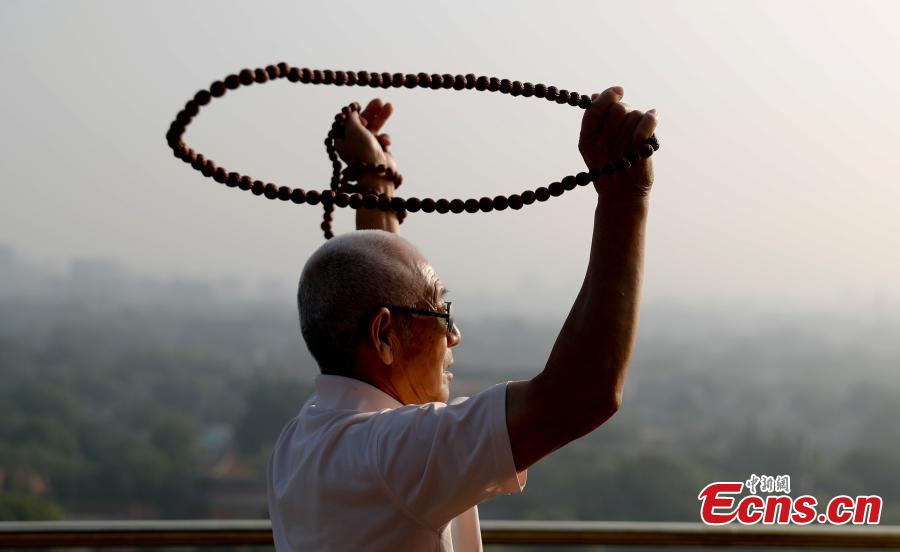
{"x": 445, "y": 315}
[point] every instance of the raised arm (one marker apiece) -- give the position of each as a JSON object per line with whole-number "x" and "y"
{"x": 581, "y": 385}
{"x": 362, "y": 142}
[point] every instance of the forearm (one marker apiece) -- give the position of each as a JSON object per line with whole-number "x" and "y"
{"x": 590, "y": 358}
{"x": 375, "y": 218}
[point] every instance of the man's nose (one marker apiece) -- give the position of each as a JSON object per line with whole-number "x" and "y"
{"x": 455, "y": 336}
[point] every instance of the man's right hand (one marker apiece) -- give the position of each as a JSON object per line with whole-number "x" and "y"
{"x": 610, "y": 129}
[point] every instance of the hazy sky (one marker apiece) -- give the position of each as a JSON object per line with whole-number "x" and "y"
{"x": 776, "y": 182}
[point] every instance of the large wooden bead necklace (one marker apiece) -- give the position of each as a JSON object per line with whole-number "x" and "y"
{"x": 344, "y": 194}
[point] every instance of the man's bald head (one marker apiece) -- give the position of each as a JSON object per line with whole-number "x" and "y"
{"x": 345, "y": 280}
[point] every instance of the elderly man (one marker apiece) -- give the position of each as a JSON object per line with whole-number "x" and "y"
{"x": 377, "y": 459}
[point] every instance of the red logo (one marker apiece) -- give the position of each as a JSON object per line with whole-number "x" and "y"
{"x": 721, "y": 503}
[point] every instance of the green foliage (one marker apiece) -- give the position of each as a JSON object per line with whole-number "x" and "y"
{"x": 19, "y": 507}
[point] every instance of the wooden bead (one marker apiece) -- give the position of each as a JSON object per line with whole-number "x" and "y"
{"x": 298, "y": 195}
{"x": 351, "y": 78}
{"x": 582, "y": 178}
{"x": 608, "y": 169}
{"x": 595, "y": 173}
{"x": 528, "y": 90}
{"x": 528, "y": 197}
{"x": 342, "y": 199}
{"x": 384, "y": 203}
{"x": 217, "y": 89}
{"x": 413, "y": 204}
{"x": 645, "y": 150}
{"x": 623, "y": 164}
{"x": 260, "y": 75}
{"x": 209, "y": 168}
{"x": 442, "y": 206}
{"x": 386, "y": 79}
{"x": 191, "y": 108}
{"x": 459, "y": 82}
{"x": 284, "y": 193}
{"x": 447, "y": 81}
{"x": 325, "y": 225}
{"x": 271, "y": 191}
{"x": 436, "y": 81}
{"x": 327, "y": 76}
{"x": 654, "y": 143}
{"x": 494, "y": 84}
{"x": 482, "y": 83}
{"x": 552, "y": 93}
{"x": 486, "y": 204}
{"x": 516, "y": 88}
{"x": 424, "y": 80}
{"x": 556, "y": 189}
{"x": 457, "y": 205}
{"x": 312, "y": 197}
{"x": 258, "y": 187}
{"x": 515, "y": 202}
{"x": 272, "y": 72}
{"x": 585, "y": 102}
{"x": 327, "y": 198}
{"x": 233, "y": 179}
{"x": 374, "y": 80}
{"x": 232, "y": 82}
{"x": 427, "y": 205}
{"x": 202, "y": 97}
{"x": 471, "y": 205}
{"x": 293, "y": 75}
{"x": 355, "y": 201}
{"x": 505, "y": 86}
{"x": 471, "y": 81}
{"x": 220, "y": 175}
{"x": 574, "y": 98}
{"x": 397, "y": 80}
{"x": 542, "y": 194}
{"x": 369, "y": 201}
{"x": 398, "y": 204}
{"x": 500, "y": 202}
{"x": 283, "y": 69}
{"x": 563, "y": 96}
{"x": 569, "y": 183}
{"x": 633, "y": 156}
{"x": 340, "y": 78}
{"x": 540, "y": 90}
{"x": 306, "y": 75}
{"x": 362, "y": 78}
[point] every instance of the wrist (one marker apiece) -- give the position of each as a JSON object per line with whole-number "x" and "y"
{"x": 377, "y": 184}
{"x": 621, "y": 202}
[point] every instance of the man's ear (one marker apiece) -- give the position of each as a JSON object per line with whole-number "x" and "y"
{"x": 382, "y": 335}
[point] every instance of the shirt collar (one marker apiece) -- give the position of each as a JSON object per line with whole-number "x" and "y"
{"x": 343, "y": 393}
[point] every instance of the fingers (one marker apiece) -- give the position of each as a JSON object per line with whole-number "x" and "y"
{"x": 384, "y": 140}
{"x": 380, "y": 117}
{"x": 373, "y": 107}
{"x": 594, "y": 115}
{"x": 624, "y": 140}
{"x": 611, "y": 127}
{"x": 645, "y": 127}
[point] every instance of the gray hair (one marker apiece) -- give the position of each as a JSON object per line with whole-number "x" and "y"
{"x": 342, "y": 284}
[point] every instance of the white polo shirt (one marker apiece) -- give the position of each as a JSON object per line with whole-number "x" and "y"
{"x": 357, "y": 470}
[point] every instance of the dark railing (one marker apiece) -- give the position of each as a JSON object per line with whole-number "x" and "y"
{"x": 199, "y": 533}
